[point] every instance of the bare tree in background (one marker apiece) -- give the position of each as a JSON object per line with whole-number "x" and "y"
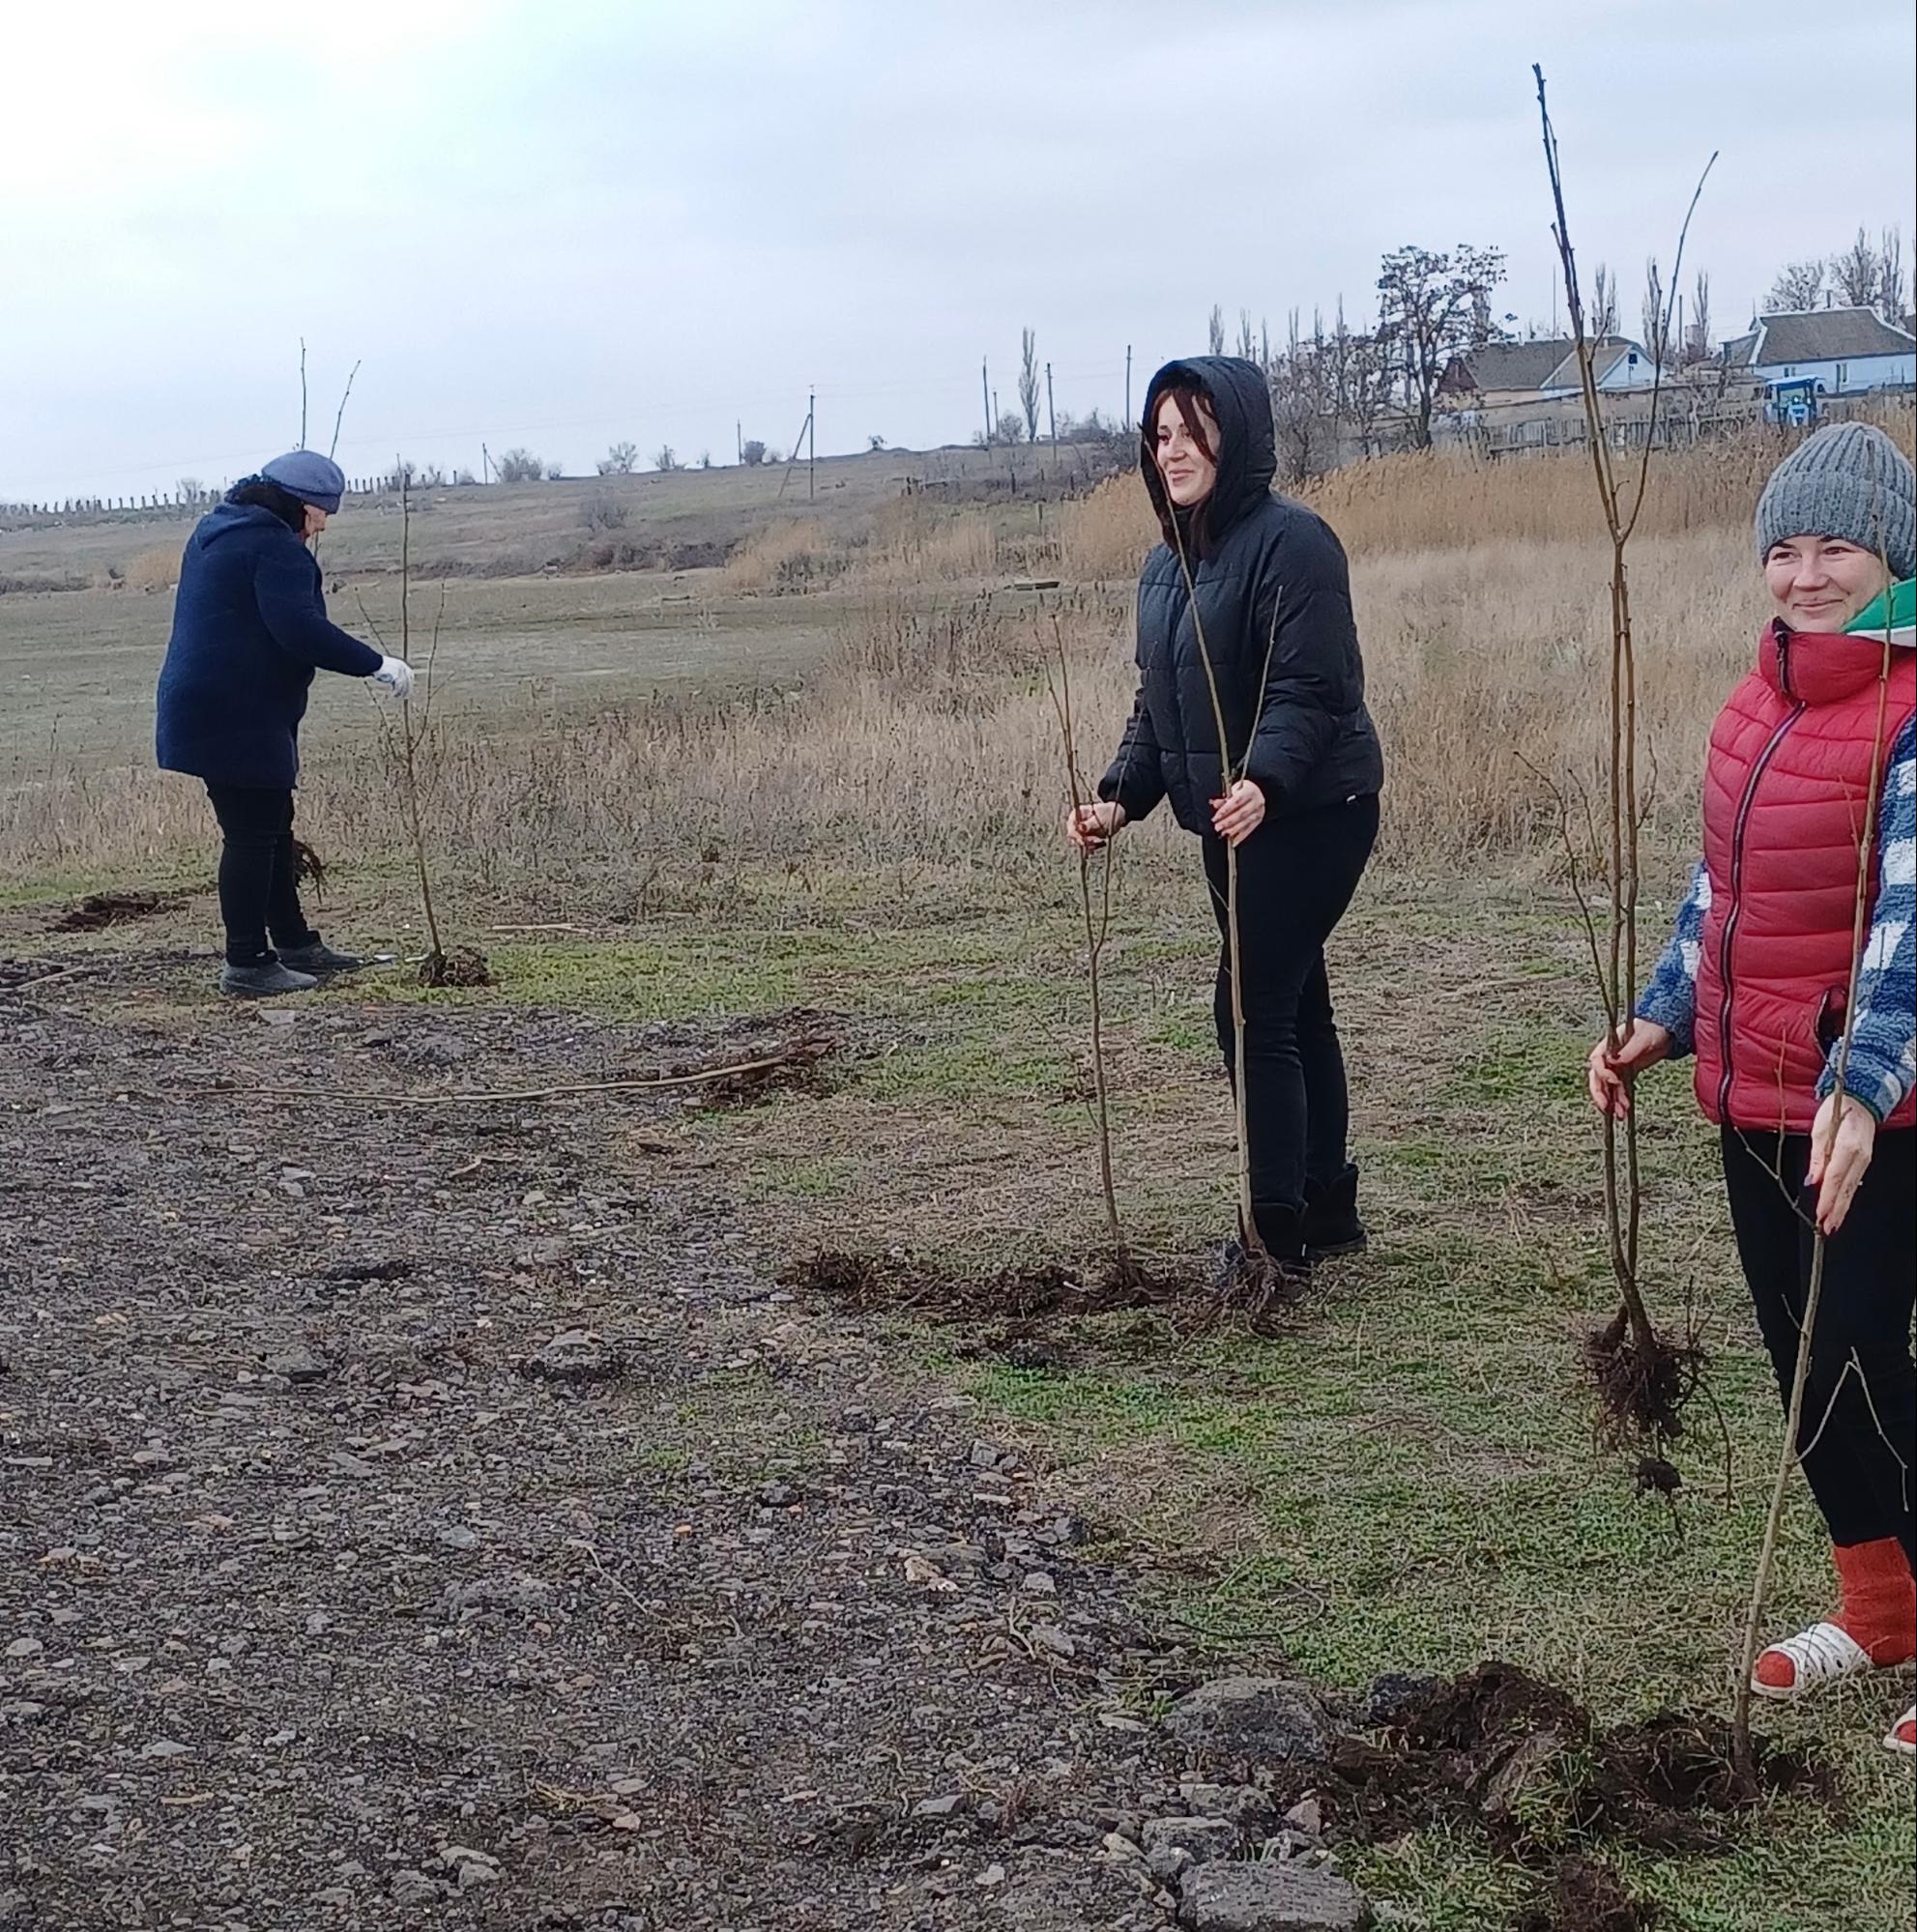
{"x": 1853, "y": 273}
{"x": 1889, "y": 298}
{"x": 620, "y": 460}
{"x": 1428, "y": 306}
{"x": 1655, "y": 317}
{"x": 1367, "y": 389}
{"x": 1248, "y": 341}
{"x": 1604, "y": 305}
{"x": 1799, "y": 285}
{"x": 1304, "y": 403}
{"x": 1215, "y": 336}
{"x": 1029, "y": 383}
{"x": 1696, "y": 346}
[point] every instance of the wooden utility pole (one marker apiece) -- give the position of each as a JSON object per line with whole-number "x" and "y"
{"x": 986, "y": 398}
{"x": 485, "y": 464}
{"x": 738, "y": 441}
{"x": 811, "y": 444}
{"x": 1051, "y": 415}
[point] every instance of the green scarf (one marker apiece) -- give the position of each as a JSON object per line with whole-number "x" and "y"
{"x": 1896, "y": 611}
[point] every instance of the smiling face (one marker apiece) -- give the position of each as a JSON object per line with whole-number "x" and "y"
{"x": 1187, "y": 466}
{"x": 1821, "y": 583}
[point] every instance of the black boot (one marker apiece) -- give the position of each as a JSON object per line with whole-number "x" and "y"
{"x": 1331, "y": 1224}
{"x": 263, "y": 979}
{"x": 1282, "y": 1271}
{"x": 317, "y": 957}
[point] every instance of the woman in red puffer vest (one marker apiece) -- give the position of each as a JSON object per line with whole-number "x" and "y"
{"x": 1810, "y": 794}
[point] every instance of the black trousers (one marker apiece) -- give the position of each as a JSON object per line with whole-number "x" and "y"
{"x": 1860, "y": 1403}
{"x": 258, "y": 881}
{"x": 1295, "y": 878}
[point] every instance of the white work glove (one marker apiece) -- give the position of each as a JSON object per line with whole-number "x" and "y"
{"x": 394, "y": 676}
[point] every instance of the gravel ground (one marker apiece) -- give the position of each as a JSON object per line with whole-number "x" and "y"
{"x": 436, "y": 1515}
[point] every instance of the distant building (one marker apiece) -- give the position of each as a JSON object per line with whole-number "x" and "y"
{"x": 1837, "y": 351}
{"x": 1504, "y": 373}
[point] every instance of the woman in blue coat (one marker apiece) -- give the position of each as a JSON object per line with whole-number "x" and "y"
{"x": 249, "y": 629}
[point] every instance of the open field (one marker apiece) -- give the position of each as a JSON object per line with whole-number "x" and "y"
{"x": 675, "y": 1648}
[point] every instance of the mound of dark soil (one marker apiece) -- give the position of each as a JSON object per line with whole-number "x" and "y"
{"x": 1049, "y": 1291}
{"x": 99, "y": 909}
{"x": 1524, "y": 1762}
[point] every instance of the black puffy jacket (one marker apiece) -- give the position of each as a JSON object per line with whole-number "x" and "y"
{"x": 1293, "y": 699}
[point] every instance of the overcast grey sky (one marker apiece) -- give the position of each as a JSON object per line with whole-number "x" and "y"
{"x": 565, "y": 223}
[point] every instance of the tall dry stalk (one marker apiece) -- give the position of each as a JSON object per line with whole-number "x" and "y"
{"x": 1743, "y": 1752}
{"x": 1259, "y": 1265}
{"x": 465, "y": 965}
{"x": 1096, "y": 911}
{"x": 1642, "y": 1375}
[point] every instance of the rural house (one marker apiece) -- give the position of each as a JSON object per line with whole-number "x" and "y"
{"x": 1502, "y": 373}
{"x": 1841, "y": 351}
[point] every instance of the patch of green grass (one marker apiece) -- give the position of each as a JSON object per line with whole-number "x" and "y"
{"x": 802, "y": 1177}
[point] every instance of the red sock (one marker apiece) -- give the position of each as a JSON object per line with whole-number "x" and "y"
{"x": 1879, "y": 1609}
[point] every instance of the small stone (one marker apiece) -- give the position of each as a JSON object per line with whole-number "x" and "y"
{"x": 1268, "y": 1895}
{"x": 1307, "y": 1817}
{"x": 985, "y": 1455}
{"x": 1049, "y": 1636}
{"x": 278, "y": 1016}
{"x": 1170, "y": 1844}
{"x": 1388, "y": 1696}
{"x": 456, "y": 1536}
{"x": 575, "y": 1355}
{"x": 410, "y": 1888}
{"x": 948, "y": 1805}
{"x": 992, "y": 1875}
{"x": 299, "y": 1365}
{"x": 1260, "y": 1716}
{"x": 25, "y": 1647}
{"x": 552, "y": 1252}
{"x": 1040, "y": 1583}
{"x": 165, "y": 1747}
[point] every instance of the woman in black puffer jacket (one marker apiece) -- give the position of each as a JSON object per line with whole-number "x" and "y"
{"x": 1296, "y": 789}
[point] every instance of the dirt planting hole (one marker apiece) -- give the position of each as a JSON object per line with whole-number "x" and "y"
{"x": 1026, "y": 1297}
{"x": 100, "y": 910}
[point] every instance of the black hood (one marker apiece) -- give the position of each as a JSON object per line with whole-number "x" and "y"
{"x": 1247, "y": 460}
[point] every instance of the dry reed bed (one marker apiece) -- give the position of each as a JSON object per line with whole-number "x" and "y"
{"x": 929, "y": 739}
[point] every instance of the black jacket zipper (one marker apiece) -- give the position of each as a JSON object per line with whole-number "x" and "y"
{"x": 1739, "y": 826}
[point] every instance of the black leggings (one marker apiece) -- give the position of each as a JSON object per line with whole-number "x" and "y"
{"x": 1860, "y": 1403}
{"x": 1295, "y": 878}
{"x": 258, "y": 880}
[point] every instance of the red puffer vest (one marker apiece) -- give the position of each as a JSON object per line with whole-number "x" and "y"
{"x": 1794, "y": 764}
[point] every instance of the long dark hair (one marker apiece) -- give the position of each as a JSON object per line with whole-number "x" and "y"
{"x": 261, "y": 493}
{"x": 1189, "y": 527}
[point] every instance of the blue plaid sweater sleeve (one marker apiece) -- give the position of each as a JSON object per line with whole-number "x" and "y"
{"x": 1882, "y": 1067}
{"x": 1670, "y": 998}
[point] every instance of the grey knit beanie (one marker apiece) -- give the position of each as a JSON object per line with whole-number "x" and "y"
{"x": 1851, "y": 480}
{"x": 317, "y": 480}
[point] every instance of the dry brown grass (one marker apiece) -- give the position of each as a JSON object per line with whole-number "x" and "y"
{"x": 1456, "y": 500}
{"x": 154, "y": 569}
{"x": 792, "y": 554}
{"x": 927, "y": 741}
